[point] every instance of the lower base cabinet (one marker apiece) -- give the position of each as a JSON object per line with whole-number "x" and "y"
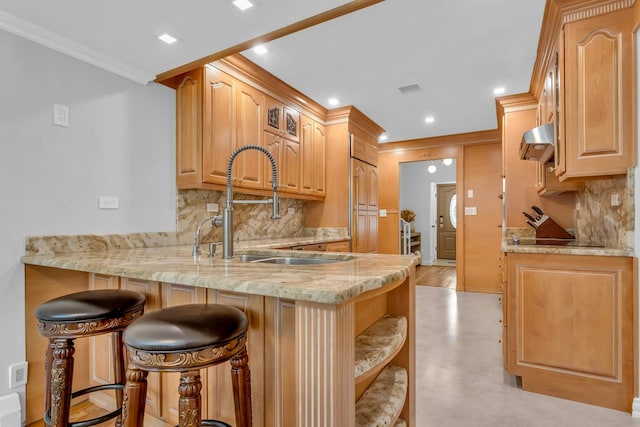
{"x": 569, "y": 326}
{"x": 357, "y": 352}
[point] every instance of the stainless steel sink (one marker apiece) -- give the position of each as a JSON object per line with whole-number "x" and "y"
{"x": 286, "y": 260}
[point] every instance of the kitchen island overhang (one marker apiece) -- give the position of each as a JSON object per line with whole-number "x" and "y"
{"x": 321, "y": 308}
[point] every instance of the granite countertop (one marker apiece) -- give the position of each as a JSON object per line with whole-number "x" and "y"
{"x": 574, "y": 248}
{"x": 332, "y": 283}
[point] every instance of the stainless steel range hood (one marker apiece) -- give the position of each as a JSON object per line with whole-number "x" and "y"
{"x": 538, "y": 143}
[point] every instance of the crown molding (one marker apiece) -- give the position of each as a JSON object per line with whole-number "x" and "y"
{"x": 79, "y": 51}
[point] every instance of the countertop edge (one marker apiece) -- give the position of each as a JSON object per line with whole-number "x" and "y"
{"x": 335, "y": 284}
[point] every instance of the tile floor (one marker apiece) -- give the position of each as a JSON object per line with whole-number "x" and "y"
{"x": 459, "y": 375}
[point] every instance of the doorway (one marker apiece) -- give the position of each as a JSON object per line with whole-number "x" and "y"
{"x": 418, "y": 182}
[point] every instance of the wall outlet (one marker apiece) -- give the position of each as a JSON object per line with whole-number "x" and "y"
{"x": 615, "y": 199}
{"x": 212, "y": 207}
{"x": 61, "y": 115}
{"x": 108, "y": 202}
{"x": 383, "y": 213}
{"x": 18, "y": 374}
{"x": 291, "y": 211}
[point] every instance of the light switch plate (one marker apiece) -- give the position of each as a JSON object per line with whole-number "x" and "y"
{"x": 471, "y": 210}
{"x": 383, "y": 213}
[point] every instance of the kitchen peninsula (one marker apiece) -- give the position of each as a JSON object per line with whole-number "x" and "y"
{"x": 312, "y": 327}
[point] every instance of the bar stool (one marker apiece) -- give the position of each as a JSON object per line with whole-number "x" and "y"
{"x": 79, "y": 315}
{"x": 184, "y": 339}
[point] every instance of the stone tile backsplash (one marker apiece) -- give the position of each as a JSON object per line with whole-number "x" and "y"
{"x": 597, "y": 222}
{"x": 250, "y": 222}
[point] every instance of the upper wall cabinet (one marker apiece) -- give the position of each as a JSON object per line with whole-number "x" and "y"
{"x": 313, "y": 140}
{"x": 596, "y": 104}
{"x": 217, "y": 113}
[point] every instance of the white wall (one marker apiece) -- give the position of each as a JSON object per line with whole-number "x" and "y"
{"x": 415, "y": 188}
{"x": 120, "y": 143}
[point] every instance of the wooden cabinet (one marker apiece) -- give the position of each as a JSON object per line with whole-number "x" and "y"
{"x": 596, "y": 104}
{"x": 313, "y": 159}
{"x": 547, "y": 182}
{"x": 365, "y": 206}
{"x": 364, "y": 149}
{"x": 281, "y": 119}
{"x": 571, "y": 326}
{"x": 217, "y": 113}
{"x": 287, "y": 156}
{"x": 342, "y": 246}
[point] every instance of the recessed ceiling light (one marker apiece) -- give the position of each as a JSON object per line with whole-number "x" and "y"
{"x": 333, "y": 102}
{"x": 432, "y": 168}
{"x": 498, "y": 91}
{"x": 447, "y": 162}
{"x": 382, "y": 137}
{"x": 242, "y": 4}
{"x": 429, "y": 119}
{"x": 260, "y": 49}
{"x": 168, "y": 39}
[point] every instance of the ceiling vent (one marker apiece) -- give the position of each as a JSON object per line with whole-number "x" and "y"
{"x": 408, "y": 89}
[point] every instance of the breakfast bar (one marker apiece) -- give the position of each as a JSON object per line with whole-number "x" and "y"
{"x": 331, "y": 335}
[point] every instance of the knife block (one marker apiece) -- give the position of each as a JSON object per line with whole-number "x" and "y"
{"x": 550, "y": 233}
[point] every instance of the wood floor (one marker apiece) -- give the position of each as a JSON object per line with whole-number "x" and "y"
{"x": 438, "y": 276}
{"x": 80, "y": 412}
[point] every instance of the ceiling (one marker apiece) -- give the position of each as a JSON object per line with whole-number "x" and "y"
{"x": 456, "y": 51}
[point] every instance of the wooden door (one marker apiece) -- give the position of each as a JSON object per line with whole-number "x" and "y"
{"x": 446, "y": 223}
{"x": 248, "y": 165}
{"x": 598, "y": 72}
{"x": 218, "y": 125}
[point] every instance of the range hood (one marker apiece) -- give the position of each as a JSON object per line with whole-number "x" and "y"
{"x": 537, "y": 143}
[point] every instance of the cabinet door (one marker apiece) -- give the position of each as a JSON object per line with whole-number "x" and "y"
{"x": 101, "y": 353}
{"x": 319, "y": 150}
{"x": 312, "y": 157}
{"x": 372, "y": 187}
{"x": 359, "y": 186}
{"x": 248, "y": 165}
{"x": 571, "y": 326}
{"x": 290, "y": 156}
{"x": 173, "y": 295}
{"x": 598, "y": 66}
{"x": 189, "y": 129}
{"x": 151, "y": 291}
{"x": 218, "y": 125}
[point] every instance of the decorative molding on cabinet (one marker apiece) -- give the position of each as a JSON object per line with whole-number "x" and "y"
{"x": 590, "y": 12}
{"x": 328, "y": 330}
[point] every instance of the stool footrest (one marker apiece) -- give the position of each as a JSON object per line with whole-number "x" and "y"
{"x": 96, "y": 420}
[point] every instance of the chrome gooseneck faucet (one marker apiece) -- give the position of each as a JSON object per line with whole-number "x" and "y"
{"x": 227, "y": 212}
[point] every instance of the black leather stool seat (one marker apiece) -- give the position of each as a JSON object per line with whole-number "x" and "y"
{"x": 186, "y": 327}
{"x": 88, "y": 306}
